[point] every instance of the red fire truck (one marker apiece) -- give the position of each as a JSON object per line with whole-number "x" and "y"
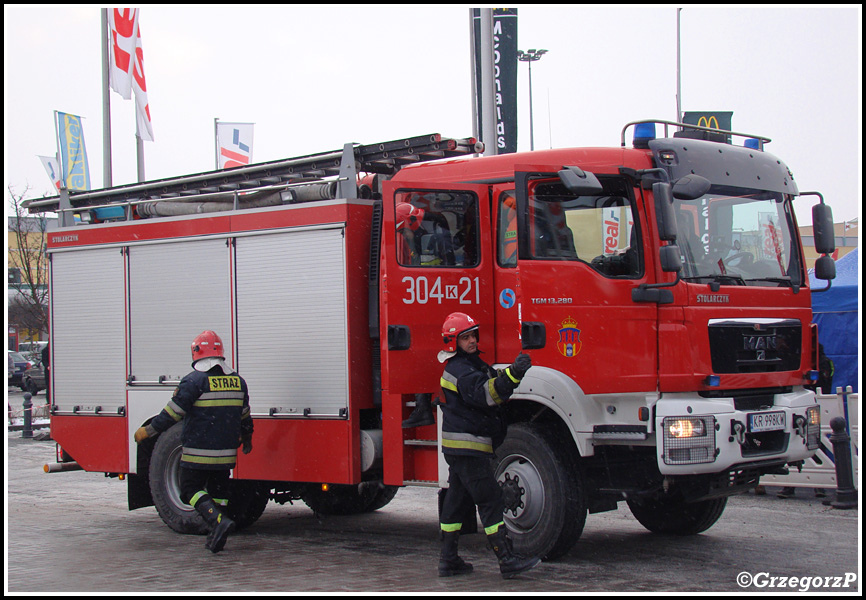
{"x": 660, "y": 289}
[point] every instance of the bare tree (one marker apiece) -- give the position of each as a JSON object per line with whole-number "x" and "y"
{"x": 28, "y": 267}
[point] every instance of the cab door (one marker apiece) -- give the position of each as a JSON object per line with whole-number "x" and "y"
{"x": 436, "y": 259}
{"x": 580, "y": 257}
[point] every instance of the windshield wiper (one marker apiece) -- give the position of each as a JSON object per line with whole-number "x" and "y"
{"x": 716, "y": 278}
{"x": 785, "y": 279}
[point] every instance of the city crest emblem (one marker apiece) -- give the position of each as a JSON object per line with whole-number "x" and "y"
{"x": 569, "y": 338}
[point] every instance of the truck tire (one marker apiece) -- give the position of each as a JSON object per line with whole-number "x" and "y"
{"x": 385, "y": 494}
{"x": 545, "y": 503}
{"x": 164, "y": 477}
{"x": 348, "y": 499}
{"x": 247, "y": 501}
{"x": 674, "y": 516}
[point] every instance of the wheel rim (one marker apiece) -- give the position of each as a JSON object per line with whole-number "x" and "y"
{"x": 172, "y": 480}
{"x": 523, "y": 492}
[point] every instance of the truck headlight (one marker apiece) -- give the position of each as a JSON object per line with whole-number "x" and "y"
{"x": 685, "y": 428}
{"x": 689, "y": 440}
{"x": 813, "y": 427}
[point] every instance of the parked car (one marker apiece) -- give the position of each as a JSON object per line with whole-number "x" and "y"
{"x": 32, "y": 350}
{"x": 34, "y": 379}
{"x": 21, "y": 366}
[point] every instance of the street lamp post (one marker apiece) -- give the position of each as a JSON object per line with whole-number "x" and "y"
{"x": 530, "y": 57}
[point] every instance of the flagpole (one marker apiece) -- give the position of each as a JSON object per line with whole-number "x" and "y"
{"x": 106, "y": 103}
{"x": 679, "y": 92}
{"x": 216, "y": 144}
{"x": 139, "y": 153}
{"x": 66, "y": 217}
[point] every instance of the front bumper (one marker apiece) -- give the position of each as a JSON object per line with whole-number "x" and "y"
{"x": 697, "y": 435}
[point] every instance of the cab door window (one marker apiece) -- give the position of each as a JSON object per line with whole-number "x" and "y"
{"x": 597, "y": 230}
{"x": 436, "y": 229}
{"x": 506, "y": 244}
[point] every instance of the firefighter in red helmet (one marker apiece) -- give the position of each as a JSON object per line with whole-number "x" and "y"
{"x": 473, "y": 426}
{"x": 214, "y": 405}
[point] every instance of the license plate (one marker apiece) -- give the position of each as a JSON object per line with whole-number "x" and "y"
{"x": 772, "y": 421}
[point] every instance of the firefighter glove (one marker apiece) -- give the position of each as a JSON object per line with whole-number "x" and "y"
{"x": 247, "y": 443}
{"x": 140, "y": 435}
{"x": 520, "y": 366}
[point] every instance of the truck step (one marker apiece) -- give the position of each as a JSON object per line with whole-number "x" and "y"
{"x": 420, "y": 443}
{"x": 421, "y": 483}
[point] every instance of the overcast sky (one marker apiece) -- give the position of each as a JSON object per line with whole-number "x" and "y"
{"x": 314, "y": 77}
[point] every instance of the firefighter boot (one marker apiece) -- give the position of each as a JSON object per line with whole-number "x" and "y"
{"x": 449, "y": 563}
{"x": 423, "y": 413}
{"x": 220, "y": 525}
{"x": 510, "y": 564}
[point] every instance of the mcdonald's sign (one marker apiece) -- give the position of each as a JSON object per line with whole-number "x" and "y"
{"x": 715, "y": 120}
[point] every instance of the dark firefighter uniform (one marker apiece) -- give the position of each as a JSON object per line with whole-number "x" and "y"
{"x": 473, "y": 425}
{"x": 215, "y": 410}
{"x": 214, "y": 407}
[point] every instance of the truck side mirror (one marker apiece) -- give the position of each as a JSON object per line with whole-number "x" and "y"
{"x": 670, "y": 258}
{"x": 691, "y": 187}
{"x": 665, "y": 216}
{"x": 825, "y": 268}
{"x": 822, "y": 227}
{"x": 580, "y": 182}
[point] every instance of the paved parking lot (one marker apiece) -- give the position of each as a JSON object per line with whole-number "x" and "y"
{"x": 72, "y": 532}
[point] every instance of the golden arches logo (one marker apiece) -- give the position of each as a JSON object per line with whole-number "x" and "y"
{"x": 708, "y": 122}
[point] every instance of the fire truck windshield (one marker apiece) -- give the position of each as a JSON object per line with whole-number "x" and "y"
{"x": 739, "y": 237}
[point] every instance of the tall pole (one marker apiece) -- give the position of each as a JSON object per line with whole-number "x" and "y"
{"x": 530, "y": 57}
{"x": 531, "y": 126}
{"x": 488, "y": 108}
{"x": 106, "y": 104}
{"x": 679, "y": 92}
{"x": 475, "y": 133}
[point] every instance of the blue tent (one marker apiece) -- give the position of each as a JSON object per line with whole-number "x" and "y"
{"x": 836, "y": 313}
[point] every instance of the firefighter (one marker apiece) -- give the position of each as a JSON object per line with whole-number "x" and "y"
{"x": 409, "y": 218}
{"x": 213, "y": 403}
{"x": 473, "y": 426}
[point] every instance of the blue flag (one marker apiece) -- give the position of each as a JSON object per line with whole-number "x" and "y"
{"x": 73, "y": 155}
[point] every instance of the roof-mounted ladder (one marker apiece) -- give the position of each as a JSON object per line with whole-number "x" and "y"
{"x": 263, "y": 184}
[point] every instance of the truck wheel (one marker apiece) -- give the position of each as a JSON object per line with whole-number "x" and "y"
{"x": 383, "y": 497}
{"x": 247, "y": 502}
{"x": 347, "y": 499}
{"x": 545, "y": 505}
{"x": 165, "y": 484}
{"x": 675, "y": 516}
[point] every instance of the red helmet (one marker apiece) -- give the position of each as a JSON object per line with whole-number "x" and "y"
{"x": 455, "y": 325}
{"x": 207, "y": 344}
{"x": 409, "y": 215}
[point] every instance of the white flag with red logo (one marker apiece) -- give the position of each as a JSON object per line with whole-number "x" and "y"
{"x": 234, "y": 144}
{"x": 126, "y": 69}
{"x": 52, "y": 167}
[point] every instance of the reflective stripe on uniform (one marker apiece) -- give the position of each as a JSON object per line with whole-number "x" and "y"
{"x": 196, "y": 497}
{"x": 175, "y": 411}
{"x": 466, "y": 441}
{"x": 450, "y": 527}
{"x": 448, "y": 382}
{"x": 493, "y": 528}
{"x": 209, "y": 457}
{"x": 491, "y": 395}
{"x": 220, "y": 402}
{"x": 209, "y": 399}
